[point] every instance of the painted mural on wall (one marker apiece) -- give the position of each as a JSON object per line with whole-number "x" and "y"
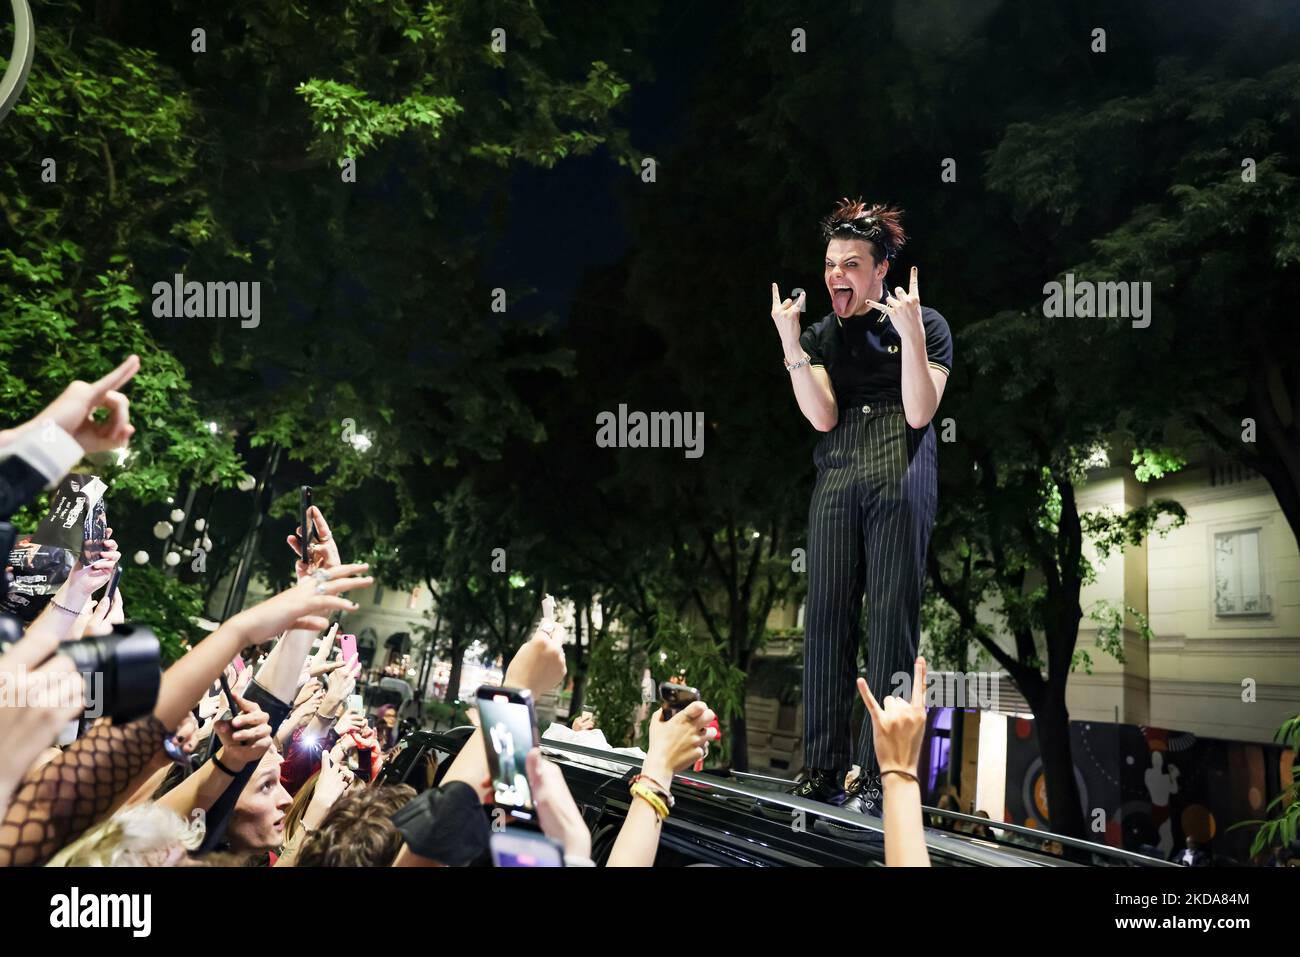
{"x": 1150, "y": 789}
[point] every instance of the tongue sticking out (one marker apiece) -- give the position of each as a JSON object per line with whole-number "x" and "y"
{"x": 842, "y": 300}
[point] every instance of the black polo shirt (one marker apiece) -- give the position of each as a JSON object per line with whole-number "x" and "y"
{"x": 863, "y": 355}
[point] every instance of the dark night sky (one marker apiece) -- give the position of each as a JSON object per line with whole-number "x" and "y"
{"x": 568, "y": 219}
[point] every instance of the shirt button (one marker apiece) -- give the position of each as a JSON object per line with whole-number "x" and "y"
{"x": 866, "y": 408}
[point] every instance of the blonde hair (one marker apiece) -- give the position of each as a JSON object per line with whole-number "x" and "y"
{"x": 137, "y": 836}
{"x": 301, "y": 801}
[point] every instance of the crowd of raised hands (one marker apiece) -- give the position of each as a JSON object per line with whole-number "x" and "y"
{"x": 251, "y": 756}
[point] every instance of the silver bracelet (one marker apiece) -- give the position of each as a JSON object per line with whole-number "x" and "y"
{"x": 790, "y": 367}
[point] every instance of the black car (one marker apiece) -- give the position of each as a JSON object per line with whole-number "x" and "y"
{"x": 732, "y": 819}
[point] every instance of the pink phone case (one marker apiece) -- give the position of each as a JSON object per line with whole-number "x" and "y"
{"x": 239, "y": 664}
{"x": 348, "y": 645}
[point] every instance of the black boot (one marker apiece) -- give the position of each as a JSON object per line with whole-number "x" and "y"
{"x": 865, "y": 795}
{"x": 818, "y": 784}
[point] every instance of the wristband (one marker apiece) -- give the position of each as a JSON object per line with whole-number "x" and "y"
{"x": 62, "y": 608}
{"x": 656, "y": 788}
{"x": 644, "y": 793}
{"x": 791, "y": 366}
{"x": 223, "y": 768}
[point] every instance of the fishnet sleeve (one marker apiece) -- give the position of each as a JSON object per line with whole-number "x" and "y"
{"x": 60, "y": 800}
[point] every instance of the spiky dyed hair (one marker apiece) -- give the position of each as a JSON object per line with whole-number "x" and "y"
{"x": 880, "y": 225}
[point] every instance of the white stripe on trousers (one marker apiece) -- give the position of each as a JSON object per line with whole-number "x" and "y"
{"x": 869, "y": 526}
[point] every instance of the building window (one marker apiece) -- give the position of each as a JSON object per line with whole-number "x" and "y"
{"x": 1239, "y": 574}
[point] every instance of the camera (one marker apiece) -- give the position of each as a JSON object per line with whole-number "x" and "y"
{"x": 121, "y": 670}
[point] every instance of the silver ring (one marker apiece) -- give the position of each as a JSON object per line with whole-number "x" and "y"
{"x": 320, "y": 588}
{"x": 321, "y": 575}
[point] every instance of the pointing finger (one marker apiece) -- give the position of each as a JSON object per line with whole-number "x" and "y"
{"x": 918, "y": 683}
{"x": 873, "y": 707}
{"x": 119, "y": 376}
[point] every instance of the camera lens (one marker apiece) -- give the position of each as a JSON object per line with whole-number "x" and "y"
{"x": 128, "y": 661}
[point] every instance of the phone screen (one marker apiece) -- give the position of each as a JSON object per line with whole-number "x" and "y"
{"x": 514, "y": 847}
{"x": 509, "y": 730}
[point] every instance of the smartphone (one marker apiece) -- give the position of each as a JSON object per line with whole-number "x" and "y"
{"x": 365, "y": 764}
{"x": 515, "y": 847}
{"x": 509, "y": 726}
{"x": 232, "y": 709}
{"x": 676, "y": 697}
{"x": 307, "y": 526}
{"x": 112, "y": 584}
{"x": 355, "y": 704}
{"x": 348, "y": 645}
{"x": 238, "y": 662}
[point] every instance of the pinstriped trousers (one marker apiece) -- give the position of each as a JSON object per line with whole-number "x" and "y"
{"x": 869, "y": 526}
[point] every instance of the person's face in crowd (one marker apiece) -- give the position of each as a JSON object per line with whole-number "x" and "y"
{"x": 258, "y": 819}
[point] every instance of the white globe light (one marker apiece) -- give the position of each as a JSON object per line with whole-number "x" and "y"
{"x": 142, "y": 557}
{"x": 361, "y": 442}
{"x": 246, "y": 484}
{"x": 178, "y": 515}
{"x": 199, "y": 524}
{"x": 171, "y": 558}
{"x": 163, "y": 530}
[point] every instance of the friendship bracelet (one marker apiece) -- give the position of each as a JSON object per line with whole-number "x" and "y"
{"x": 907, "y": 774}
{"x": 644, "y": 793}
{"x": 657, "y": 788}
{"x": 62, "y": 608}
